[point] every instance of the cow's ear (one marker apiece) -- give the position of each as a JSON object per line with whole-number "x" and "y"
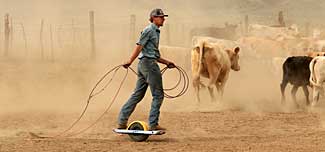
{"x": 196, "y": 48}
{"x": 236, "y": 50}
{"x": 229, "y": 52}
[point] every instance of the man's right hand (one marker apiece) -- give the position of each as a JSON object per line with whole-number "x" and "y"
{"x": 134, "y": 55}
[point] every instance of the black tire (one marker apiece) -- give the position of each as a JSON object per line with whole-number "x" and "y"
{"x": 137, "y": 137}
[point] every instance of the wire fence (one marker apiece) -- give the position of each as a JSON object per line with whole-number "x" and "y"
{"x": 71, "y": 39}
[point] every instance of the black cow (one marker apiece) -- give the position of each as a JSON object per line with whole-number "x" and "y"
{"x": 296, "y": 71}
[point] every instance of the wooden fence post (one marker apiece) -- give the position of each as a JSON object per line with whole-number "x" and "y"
{"x": 11, "y": 33}
{"x": 58, "y": 35}
{"x": 7, "y": 33}
{"x": 246, "y": 25}
{"x": 25, "y": 39}
{"x": 92, "y": 34}
{"x": 281, "y": 19}
{"x": 41, "y": 39}
{"x": 51, "y": 39}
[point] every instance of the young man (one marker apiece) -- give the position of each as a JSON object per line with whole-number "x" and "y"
{"x": 148, "y": 72}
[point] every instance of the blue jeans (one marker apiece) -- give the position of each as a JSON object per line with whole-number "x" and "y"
{"x": 148, "y": 74}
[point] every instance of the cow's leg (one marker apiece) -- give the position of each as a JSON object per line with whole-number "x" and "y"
{"x": 316, "y": 91}
{"x": 211, "y": 88}
{"x": 306, "y": 94}
{"x": 218, "y": 86}
{"x": 283, "y": 86}
{"x": 196, "y": 85}
{"x": 214, "y": 74}
{"x": 221, "y": 85}
{"x": 195, "y": 72}
{"x": 222, "y": 88}
{"x": 293, "y": 94}
{"x": 322, "y": 92}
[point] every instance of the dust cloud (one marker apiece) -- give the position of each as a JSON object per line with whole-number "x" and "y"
{"x": 56, "y": 78}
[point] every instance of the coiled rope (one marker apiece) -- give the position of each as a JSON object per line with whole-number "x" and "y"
{"x": 183, "y": 78}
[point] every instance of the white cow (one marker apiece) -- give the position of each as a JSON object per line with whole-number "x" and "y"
{"x": 317, "y": 77}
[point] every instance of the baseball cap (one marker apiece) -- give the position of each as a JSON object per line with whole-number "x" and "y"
{"x": 157, "y": 12}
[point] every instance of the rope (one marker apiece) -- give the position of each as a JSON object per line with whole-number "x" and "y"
{"x": 101, "y": 116}
{"x": 91, "y": 95}
{"x": 182, "y": 77}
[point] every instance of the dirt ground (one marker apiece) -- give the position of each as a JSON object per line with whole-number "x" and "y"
{"x": 227, "y": 130}
{"x": 250, "y": 118}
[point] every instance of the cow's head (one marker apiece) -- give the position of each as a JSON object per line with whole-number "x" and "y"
{"x": 234, "y": 58}
{"x": 321, "y": 54}
{"x": 315, "y": 54}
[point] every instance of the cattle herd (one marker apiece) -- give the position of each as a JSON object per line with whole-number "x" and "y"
{"x": 300, "y": 59}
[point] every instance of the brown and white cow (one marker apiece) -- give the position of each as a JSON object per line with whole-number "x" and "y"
{"x": 210, "y": 60}
{"x": 222, "y": 43}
